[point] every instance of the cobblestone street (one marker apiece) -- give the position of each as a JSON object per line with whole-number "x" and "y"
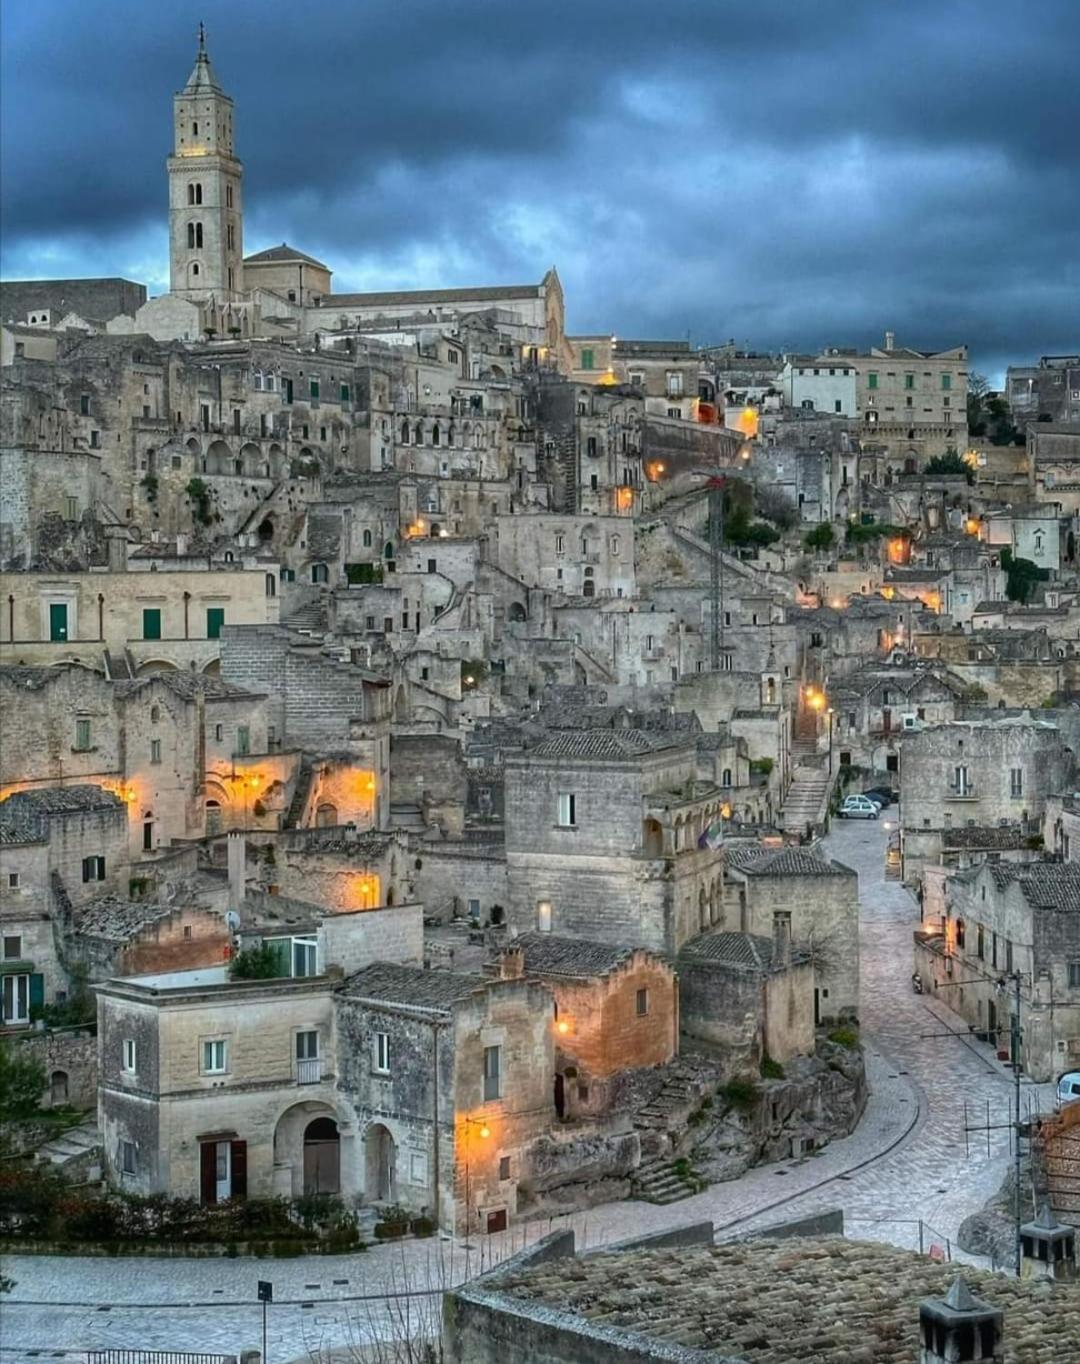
{"x": 907, "y": 1161}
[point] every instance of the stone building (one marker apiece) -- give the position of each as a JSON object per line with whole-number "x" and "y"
{"x": 59, "y": 847}
{"x": 451, "y": 1077}
{"x": 1046, "y": 392}
{"x": 876, "y": 706}
{"x": 977, "y": 773}
{"x": 1005, "y": 917}
{"x": 1052, "y": 463}
{"x": 821, "y": 896}
{"x": 912, "y": 402}
{"x": 616, "y": 1011}
{"x": 610, "y": 835}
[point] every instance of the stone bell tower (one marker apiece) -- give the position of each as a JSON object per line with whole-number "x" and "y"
{"x": 206, "y": 225}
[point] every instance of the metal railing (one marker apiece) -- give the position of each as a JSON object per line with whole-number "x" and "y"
{"x": 156, "y": 1357}
{"x": 309, "y": 1072}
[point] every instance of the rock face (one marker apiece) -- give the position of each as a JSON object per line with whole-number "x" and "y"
{"x": 579, "y": 1171}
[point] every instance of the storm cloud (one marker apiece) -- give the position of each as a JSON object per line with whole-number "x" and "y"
{"x": 782, "y": 173}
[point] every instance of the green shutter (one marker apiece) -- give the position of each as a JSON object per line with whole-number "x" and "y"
{"x": 871, "y": 380}
{"x": 586, "y": 359}
{"x": 215, "y": 619}
{"x": 344, "y": 393}
{"x": 946, "y": 382}
{"x": 314, "y": 388}
{"x": 58, "y": 621}
{"x": 37, "y": 991}
{"x": 151, "y": 623}
{"x": 282, "y": 949}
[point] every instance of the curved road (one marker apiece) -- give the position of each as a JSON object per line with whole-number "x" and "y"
{"x": 907, "y": 1161}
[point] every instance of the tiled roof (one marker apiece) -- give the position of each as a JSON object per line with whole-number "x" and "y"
{"x": 419, "y": 297}
{"x": 731, "y": 949}
{"x": 284, "y": 252}
{"x": 985, "y": 836}
{"x": 813, "y": 1300}
{"x": 783, "y": 862}
{"x": 548, "y": 954}
{"x": 119, "y": 920}
{"x": 188, "y": 685}
{"x": 21, "y": 826}
{"x": 1045, "y": 885}
{"x": 62, "y": 800}
{"x": 412, "y": 986}
{"x": 620, "y": 745}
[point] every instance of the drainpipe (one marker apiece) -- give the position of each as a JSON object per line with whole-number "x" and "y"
{"x": 100, "y": 616}
{"x": 187, "y": 600}
{"x": 435, "y": 1124}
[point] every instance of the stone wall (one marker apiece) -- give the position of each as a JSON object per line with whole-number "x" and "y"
{"x": 70, "y": 1061}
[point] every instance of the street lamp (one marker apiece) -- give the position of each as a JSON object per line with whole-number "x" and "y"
{"x": 485, "y": 1132}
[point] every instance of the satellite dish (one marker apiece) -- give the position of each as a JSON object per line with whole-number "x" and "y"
{"x": 232, "y": 920}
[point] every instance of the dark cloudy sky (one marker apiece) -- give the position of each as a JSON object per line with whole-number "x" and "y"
{"x": 785, "y": 172}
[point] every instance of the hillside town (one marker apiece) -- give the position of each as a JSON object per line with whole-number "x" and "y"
{"x": 468, "y": 780}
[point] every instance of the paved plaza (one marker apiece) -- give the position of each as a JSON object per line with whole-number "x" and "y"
{"x": 906, "y": 1164}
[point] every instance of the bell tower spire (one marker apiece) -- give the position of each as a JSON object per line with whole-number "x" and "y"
{"x": 205, "y": 208}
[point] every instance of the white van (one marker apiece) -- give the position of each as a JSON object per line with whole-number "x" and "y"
{"x": 1068, "y": 1087}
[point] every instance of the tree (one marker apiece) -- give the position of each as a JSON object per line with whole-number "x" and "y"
{"x": 821, "y": 537}
{"x": 22, "y": 1080}
{"x": 1021, "y": 575}
{"x": 949, "y": 463}
{"x": 257, "y": 963}
{"x": 774, "y": 506}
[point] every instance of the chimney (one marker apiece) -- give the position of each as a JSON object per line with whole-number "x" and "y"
{"x": 512, "y": 963}
{"x": 781, "y": 921}
{"x": 959, "y": 1327}
{"x": 237, "y": 846}
{"x": 890, "y": 340}
{"x": 1048, "y": 1248}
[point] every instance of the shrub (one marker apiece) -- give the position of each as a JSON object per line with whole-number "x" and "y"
{"x": 150, "y": 486}
{"x": 423, "y": 1226}
{"x": 361, "y": 574}
{"x": 200, "y": 496}
{"x": 770, "y": 1069}
{"x": 256, "y": 963}
{"x": 844, "y": 1037}
{"x": 740, "y": 1094}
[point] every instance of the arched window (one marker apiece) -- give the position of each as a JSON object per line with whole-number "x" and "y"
{"x": 388, "y": 550}
{"x": 194, "y": 193}
{"x": 155, "y": 714}
{"x": 195, "y": 268}
{"x": 404, "y": 433}
{"x": 725, "y": 777}
{"x": 271, "y": 585}
{"x": 435, "y": 434}
{"x": 367, "y": 539}
{"x": 418, "y": 433}
{"x": 194, "y": 235}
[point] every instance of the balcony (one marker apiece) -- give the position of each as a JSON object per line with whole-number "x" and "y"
{"x": 309, "y": 1072}
{"x": 966, "y": 792}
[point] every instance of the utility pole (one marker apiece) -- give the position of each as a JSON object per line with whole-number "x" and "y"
{"x": 716, "y": 566}
{"x": 1015, "y": 1041}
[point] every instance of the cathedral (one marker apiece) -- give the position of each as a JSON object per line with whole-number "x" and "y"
{"x": 215, "y": 292}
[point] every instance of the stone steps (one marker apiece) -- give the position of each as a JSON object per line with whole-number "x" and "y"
{"x": 659, "y": 1182}
{"x": 71, "y": 1145}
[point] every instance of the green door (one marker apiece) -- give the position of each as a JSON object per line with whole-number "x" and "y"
{"x": 151, "y": 623}
{"x": 58, "y": 623}
{"x": 215, "y": 619}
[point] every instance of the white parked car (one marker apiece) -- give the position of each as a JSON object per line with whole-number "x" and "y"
{"x": 859, "y": 807}
{"x": 1068, "y": 1087}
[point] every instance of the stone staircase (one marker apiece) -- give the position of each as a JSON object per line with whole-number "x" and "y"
{"x": 309, "y": 619}
{"x": 76, "y": 1151}
{"x": 806, "y": 799}
{"x": 301, "y": 791}
{"x": 658, "y": 1181}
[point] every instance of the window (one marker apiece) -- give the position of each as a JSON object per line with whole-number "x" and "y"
{"x": 151, "y": 623}
{"x": 587, "y": 359}
{"x": 909, "y": 381}
{"x": 95, "y": 440}
{"x": 219, "y": 733}
{"x": 128, "y": 1056}
{"x": 12, "y": 948}
{"x": 215, "y": 1057}
{"x": 380, "y": 1062}
{"x": 492, "y": 1073}
{"x": 84, "y": 405}
{"x": 567, "y": 810}
{"x": 642, "y": 1003}
{"x": 980, "y": 942}
{"x": 127, "y": 1157}
{"x": 215, "y": 619}
{"x": 961, "y": 933}
{"x": 313, "y": 385}
{"x": 560, "y": 543}
{"x": 1016, "y": 782}
{"x": 504, "y": 1167}
{"x": 13, "y": 880}
{"x": 615, "y": 545}
{"x": 82, "y": 734}
{"x": 305, "y": 954}
{"x": 243, "y": 740}
{"x": 961, "y": 781}
{"x": 155, "y": 750}
{"x": 93, "y": 869}
{"x": 320, "y": 573}
{"x": 674, "y": 383}
{"x": 946, "y": 382}
{"x": 838, "y": 405}
{"x": 307, "y": 1057}
{"x": 871, "y": 380}
{"x": 1074, "y": 975}
{"x": 543, "y": 916}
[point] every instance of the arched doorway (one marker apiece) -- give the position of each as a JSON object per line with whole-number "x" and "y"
{"x": 322, "y": 1157}
{"x": 58, "y": 1088}
{"x": 213, "y": 818}
{"x": 325, "y": 815}
{"x": 380, "y": 1155}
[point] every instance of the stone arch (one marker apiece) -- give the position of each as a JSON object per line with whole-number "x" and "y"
{"x": 322, "y": 1156}
{"x": 155, "y": 665}
{"x": 380, "y": 1164}
{"x": 193, "y": 447}
{"x": 251, "y": 459}
{"x": 518, "y": 612}
{"x": 212, "y": 667}
{"x": 277, "y": 460}
{"x": 326, "y": 815}
{"x": 219, "y": 458}
{"x": 266, "y": 529}
{"x": 58, "y": 1088}
{"x": 291, "y": 1159}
